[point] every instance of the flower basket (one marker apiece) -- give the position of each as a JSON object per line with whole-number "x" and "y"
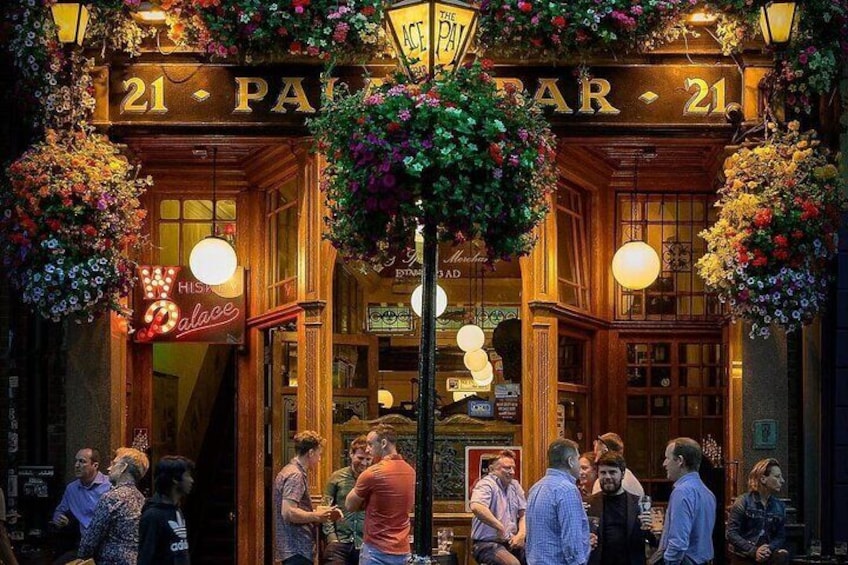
{"x": 68, "y": 214}
{"x": 768, "y": 252}
{"x": 318, "y": 28}
{"x": 475, "y": 161}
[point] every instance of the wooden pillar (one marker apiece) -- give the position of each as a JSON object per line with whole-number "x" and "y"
{"x": 539, "y": 358}
{"x": 315, "y": 322}
{"x": 250, "y": 390}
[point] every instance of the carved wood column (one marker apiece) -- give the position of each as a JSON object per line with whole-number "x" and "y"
{"x": 539, "y": 358}
{"x": 315, "y": 322}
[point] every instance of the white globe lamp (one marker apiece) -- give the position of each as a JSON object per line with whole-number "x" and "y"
{"x": 636, "y": 265}
{"x": 470, "y": 337}
{"x": 213, "y": 260}
{"x": 484, "y": 375}
{"x": 385, "y": 398}
{"x": 476, "y": 360}
{"x": 441, "y": 300}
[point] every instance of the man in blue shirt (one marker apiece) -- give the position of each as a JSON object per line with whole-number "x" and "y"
{"x": 81, "y": 495}
{"x": 557, "y": 528}
{"x": 688, "y": 529}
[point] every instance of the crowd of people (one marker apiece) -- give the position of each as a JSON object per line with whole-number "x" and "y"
{"x": 587, "y": 509}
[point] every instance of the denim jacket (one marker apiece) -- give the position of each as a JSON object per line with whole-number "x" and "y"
{"x": 751, "y": 525}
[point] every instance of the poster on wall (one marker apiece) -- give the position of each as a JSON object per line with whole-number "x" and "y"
{"x": 173, "y": 306}
{"x": 477, "y": 461}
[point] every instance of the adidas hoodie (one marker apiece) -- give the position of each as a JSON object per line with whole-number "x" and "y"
{"x": 163, "y": 539}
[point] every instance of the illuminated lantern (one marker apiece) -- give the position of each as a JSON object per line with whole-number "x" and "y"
{"x": 441, "y": 300}
{"x": 470, "y": 337}
{"x": 71, "y": 19}
{"x": 636, "y": 265}
{"x": 385, "y": 398}
{"x": 776, "y": 22}
{"x": 475, "y": 360}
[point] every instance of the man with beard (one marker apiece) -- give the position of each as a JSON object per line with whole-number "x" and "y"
{"x": 344, "y": 538}
{"x": 498, "y": 504}
{"x": 622, "y": 530}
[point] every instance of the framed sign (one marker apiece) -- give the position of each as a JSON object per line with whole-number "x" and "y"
{"x": 477, "y": 461}
{"x": 765, "y": 434}
{"x": 173, "y": 306}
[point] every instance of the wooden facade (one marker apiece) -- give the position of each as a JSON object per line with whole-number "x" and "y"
{"x": 596, "y": 160}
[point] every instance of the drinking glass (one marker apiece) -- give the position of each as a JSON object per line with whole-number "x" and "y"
{"x": 644, "y": 503}
{"x": 326, "y": 500}
{"x": 445, "y": 537}
{"x": 657, "y": 520}
{"x": 815, "y": 548}
{"x": 840, "y": 551}
{"x": 594, "y": 524}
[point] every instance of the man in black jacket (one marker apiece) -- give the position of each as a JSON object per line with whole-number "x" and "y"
{"x": 622, "y": 531}
{"x": 163, "y": 538}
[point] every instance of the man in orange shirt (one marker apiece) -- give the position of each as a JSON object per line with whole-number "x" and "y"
{"x": 386, "y": 490}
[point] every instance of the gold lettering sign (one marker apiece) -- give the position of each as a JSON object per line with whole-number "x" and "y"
{"x": 630, "y": 95}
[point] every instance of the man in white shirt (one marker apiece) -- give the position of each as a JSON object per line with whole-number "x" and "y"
{"x": 611, "y": 442}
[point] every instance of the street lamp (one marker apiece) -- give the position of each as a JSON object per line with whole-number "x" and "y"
{"x": 776, "y": 21}
{"x": 430, "y": 37}
{"x": 71, "y": 19}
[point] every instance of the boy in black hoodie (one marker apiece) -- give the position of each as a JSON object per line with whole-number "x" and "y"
{"x": 163, "y": 539}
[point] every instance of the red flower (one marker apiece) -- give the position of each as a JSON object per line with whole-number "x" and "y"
{"x": 559, "y": 21}
{"x": 763, "y": 217}
{"x": 525, "y": 7}
{"x": 487, "y": 64}
{"x": 393, "y": 127}
{"x": 296, "y": 47}
{"x": 781, "y": 240}
{"x": 89, "y": 230}
{"x": 367, "y": 11}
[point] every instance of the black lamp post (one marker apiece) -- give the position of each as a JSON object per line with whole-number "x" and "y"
{"x": 430, "y": 37}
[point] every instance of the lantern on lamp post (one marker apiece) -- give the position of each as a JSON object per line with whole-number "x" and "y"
{"x": 430, "y": 37}
{"x": 776, "y": 22}
{"x": 71, "y": 19}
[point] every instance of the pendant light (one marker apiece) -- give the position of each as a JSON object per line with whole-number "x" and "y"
{"x": 636, "y": 264}
{"x": 417, "y": 296}
{"x": 470, "y": 337}
{"x": 213, "y": 260}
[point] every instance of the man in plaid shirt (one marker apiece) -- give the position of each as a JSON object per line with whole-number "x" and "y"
{"x": 557, "y": 528}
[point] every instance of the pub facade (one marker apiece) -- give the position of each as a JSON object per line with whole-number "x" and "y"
{"x": 300, "y": 338}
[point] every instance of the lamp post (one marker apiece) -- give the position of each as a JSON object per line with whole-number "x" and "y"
{"x": 71, "y": 19}
{"x": 430, "y": 37}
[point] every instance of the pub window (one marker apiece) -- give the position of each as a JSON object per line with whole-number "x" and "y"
{"x": 183, "y": 222}
{"x": 572, "y": 386}
{"x": 671, "y": 223}
{"x": 572, "y": 253}
{"x": 674, "y": 388}
{"x": 282, "y": 207}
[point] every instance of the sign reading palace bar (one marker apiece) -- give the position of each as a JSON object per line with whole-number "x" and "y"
{"x": 285, "y": 95}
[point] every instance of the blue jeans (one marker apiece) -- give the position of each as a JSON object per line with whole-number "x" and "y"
{"x": 371, "y": 556}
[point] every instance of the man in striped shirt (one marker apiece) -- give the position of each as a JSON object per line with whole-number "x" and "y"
{"x": 557, "y": 528}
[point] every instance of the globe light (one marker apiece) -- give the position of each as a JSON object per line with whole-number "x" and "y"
{"x": 213, "y": 260}
{"x": 476, "y": 360}
{"x": 385, "y": 398}
{"x": 441, "y": 300}
{"x": 483, "y": 376}
{"x": 470, "y": 337}
{"x": 636, "y": 265}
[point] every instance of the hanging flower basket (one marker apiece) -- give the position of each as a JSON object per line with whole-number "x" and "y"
{"x": 477, "y": 161}
{"x": 768, "y": 252}
{"x": 68, "y": 214}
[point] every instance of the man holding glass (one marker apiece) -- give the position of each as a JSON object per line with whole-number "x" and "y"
{"x": 498, "y": 504}
{"x": 294, "y": 516}
{"x": 344, "y": 538}
{"x": 622, "y": 527}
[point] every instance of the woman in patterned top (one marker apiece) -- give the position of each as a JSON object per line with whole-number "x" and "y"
{"x": 112, "y": 536}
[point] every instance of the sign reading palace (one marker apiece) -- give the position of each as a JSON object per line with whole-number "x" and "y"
{"x": 180, "y": 94}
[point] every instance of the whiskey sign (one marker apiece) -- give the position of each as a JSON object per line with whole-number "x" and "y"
{"x": 173, "y": 306}
{"x": 178, "y": 94}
